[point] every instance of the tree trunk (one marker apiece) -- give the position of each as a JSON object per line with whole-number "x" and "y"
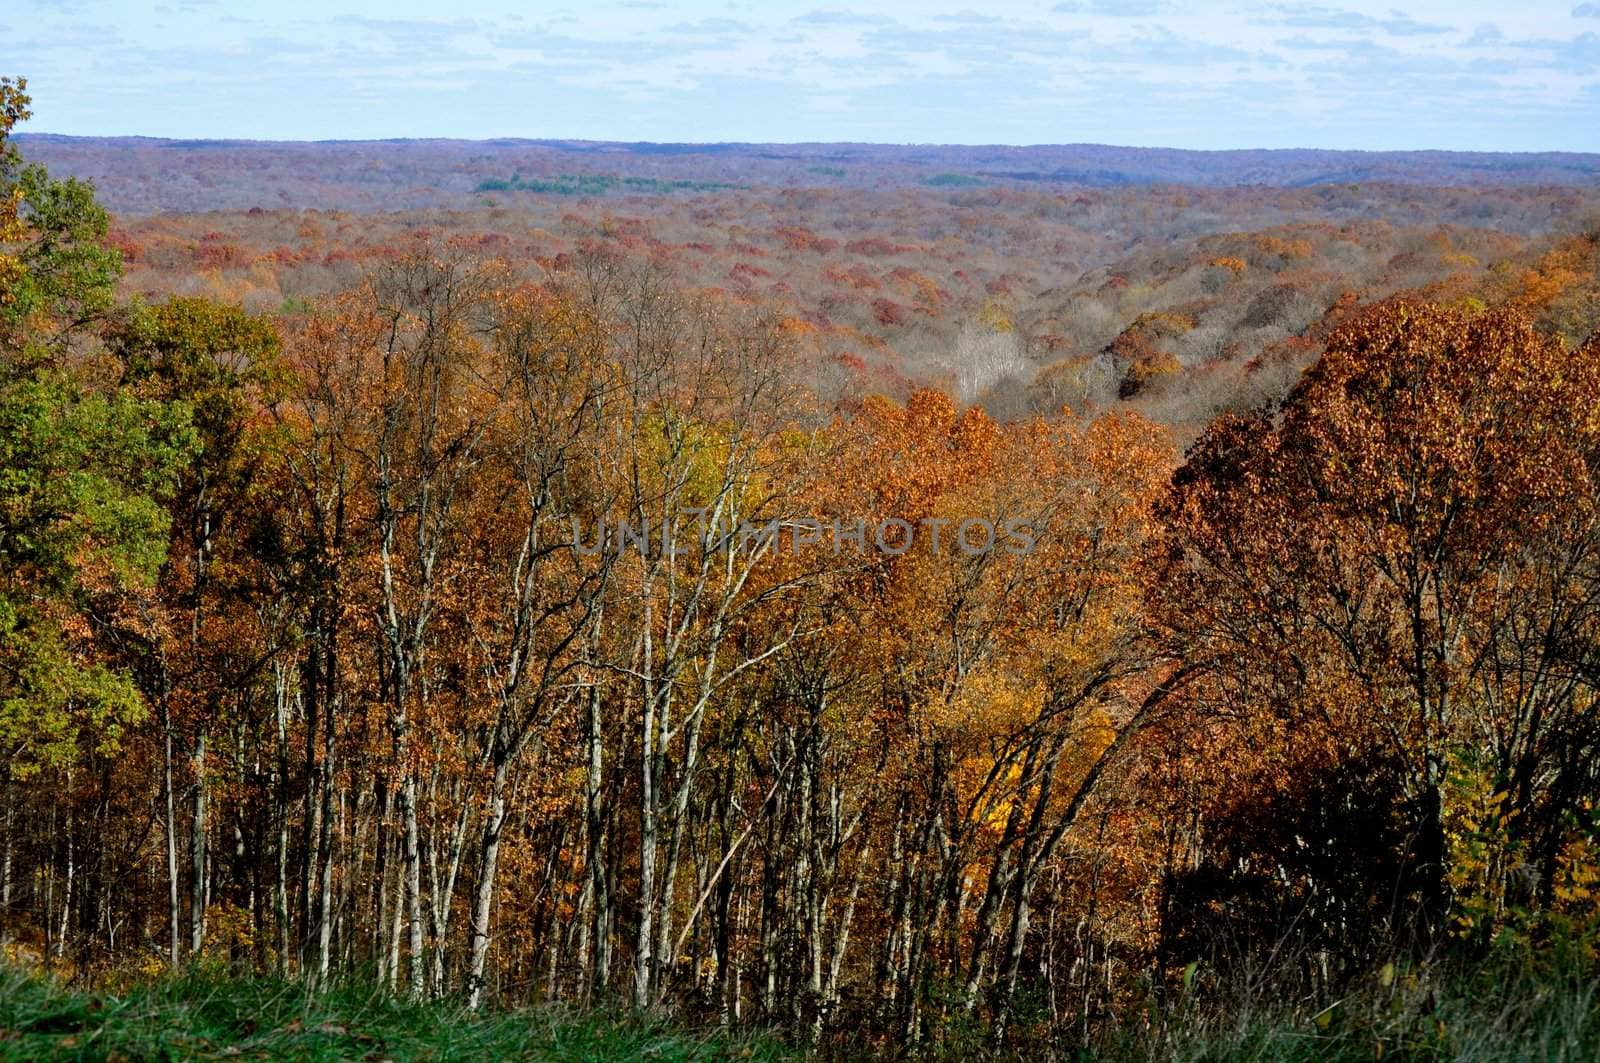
{"x": 197, "y": 849}
{"x": 643, "y": 956}
{"x": 280, "y": 897}
{"x": 172, "y": 840}
{"x": 483, "y": 902}
{"x": 5, "y": 866}
{"x": 444, "y": 893}
{"x": 66, "y": 893}
{"x": 413, "y": 885}
{"x": 594, "y": 818}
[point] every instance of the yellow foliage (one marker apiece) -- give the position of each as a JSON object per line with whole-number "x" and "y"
{"x": 994, "y": 316}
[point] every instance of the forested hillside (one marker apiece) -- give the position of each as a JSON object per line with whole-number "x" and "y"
{"x": 1182, "y": 303}
{"x": 922, "y": 617}
{"x": 144, "y": 174}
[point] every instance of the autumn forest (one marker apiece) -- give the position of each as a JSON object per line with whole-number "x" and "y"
{"x": 318, "y": 663}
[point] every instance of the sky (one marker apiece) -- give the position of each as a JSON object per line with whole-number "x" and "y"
{"x": 1462, "y": 74}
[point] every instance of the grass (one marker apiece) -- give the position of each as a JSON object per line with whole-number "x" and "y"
{"x": 1494, "y": 1015}
{"x": 1497, "y": 1014}
{"x": 196, "y": 1017}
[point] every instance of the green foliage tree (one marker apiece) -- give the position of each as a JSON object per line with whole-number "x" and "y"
{"x": 222, "y": 363}
{"x": 84, "y": 470}
{"x": 57, "y": 274}
{"x": 82, "y": 480}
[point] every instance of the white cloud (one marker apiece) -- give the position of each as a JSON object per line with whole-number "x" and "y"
{"x": 1467, "y": 73}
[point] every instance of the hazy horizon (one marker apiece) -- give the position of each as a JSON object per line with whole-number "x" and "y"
{"x": 1358, "y": 76}
{"x": 1421, "y": 149}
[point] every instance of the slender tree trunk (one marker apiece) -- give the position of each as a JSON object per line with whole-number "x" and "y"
{"x": 172, "y": 838}
{"x": 594, "y": 819}
{"x": 311, "y": 815}
{"x": 325, "y": 856}
{"x": 280, "y": 895}
{"x": 841, "y": 941}
{"x": 644, "y": 956}
{"x": 444, "y": 894}
{"x": 665, "y": 954}
{"x": 999, "y": 883}
{"x": 1432, "y": 855}
{"x": 396, "y": 926}
{"x": 413, "y": 885}
{"x": 66, "y": 892}
{"x": 197, "y": 848}
{"x": 380, "y": 877}
{"x": 5, "y": 864}
{"x": 325, "y": 902}
{"x": 483, "y": 901}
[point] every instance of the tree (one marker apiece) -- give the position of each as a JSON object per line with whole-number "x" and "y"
{"x": 81, "y": 522}
{"x": 57, "y": 275}
{"x": 537, "y": 596}
{"x": 13, "y": 109}
{"x": 223, "y": 365}
{"x": 86, "y": 468}
{"x": 1394, "y": 578}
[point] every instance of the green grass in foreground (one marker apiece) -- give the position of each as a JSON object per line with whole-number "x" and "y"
{"x": 202, "y": 1018}
{"x": 1495, "y": 1015}
{"x": 1491, "y": 1016}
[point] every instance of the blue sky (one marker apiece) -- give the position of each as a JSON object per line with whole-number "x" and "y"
{"x": 1464, "y": 74}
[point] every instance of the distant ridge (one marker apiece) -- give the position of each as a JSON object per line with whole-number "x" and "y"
{"x": 149, "y": 174}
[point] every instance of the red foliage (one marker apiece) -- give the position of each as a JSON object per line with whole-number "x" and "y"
{"x": 875, "y": 245}
{"x": 744, "y": 273}
{"x": 888, "y": 312}
{"x": 124, "y": 243}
